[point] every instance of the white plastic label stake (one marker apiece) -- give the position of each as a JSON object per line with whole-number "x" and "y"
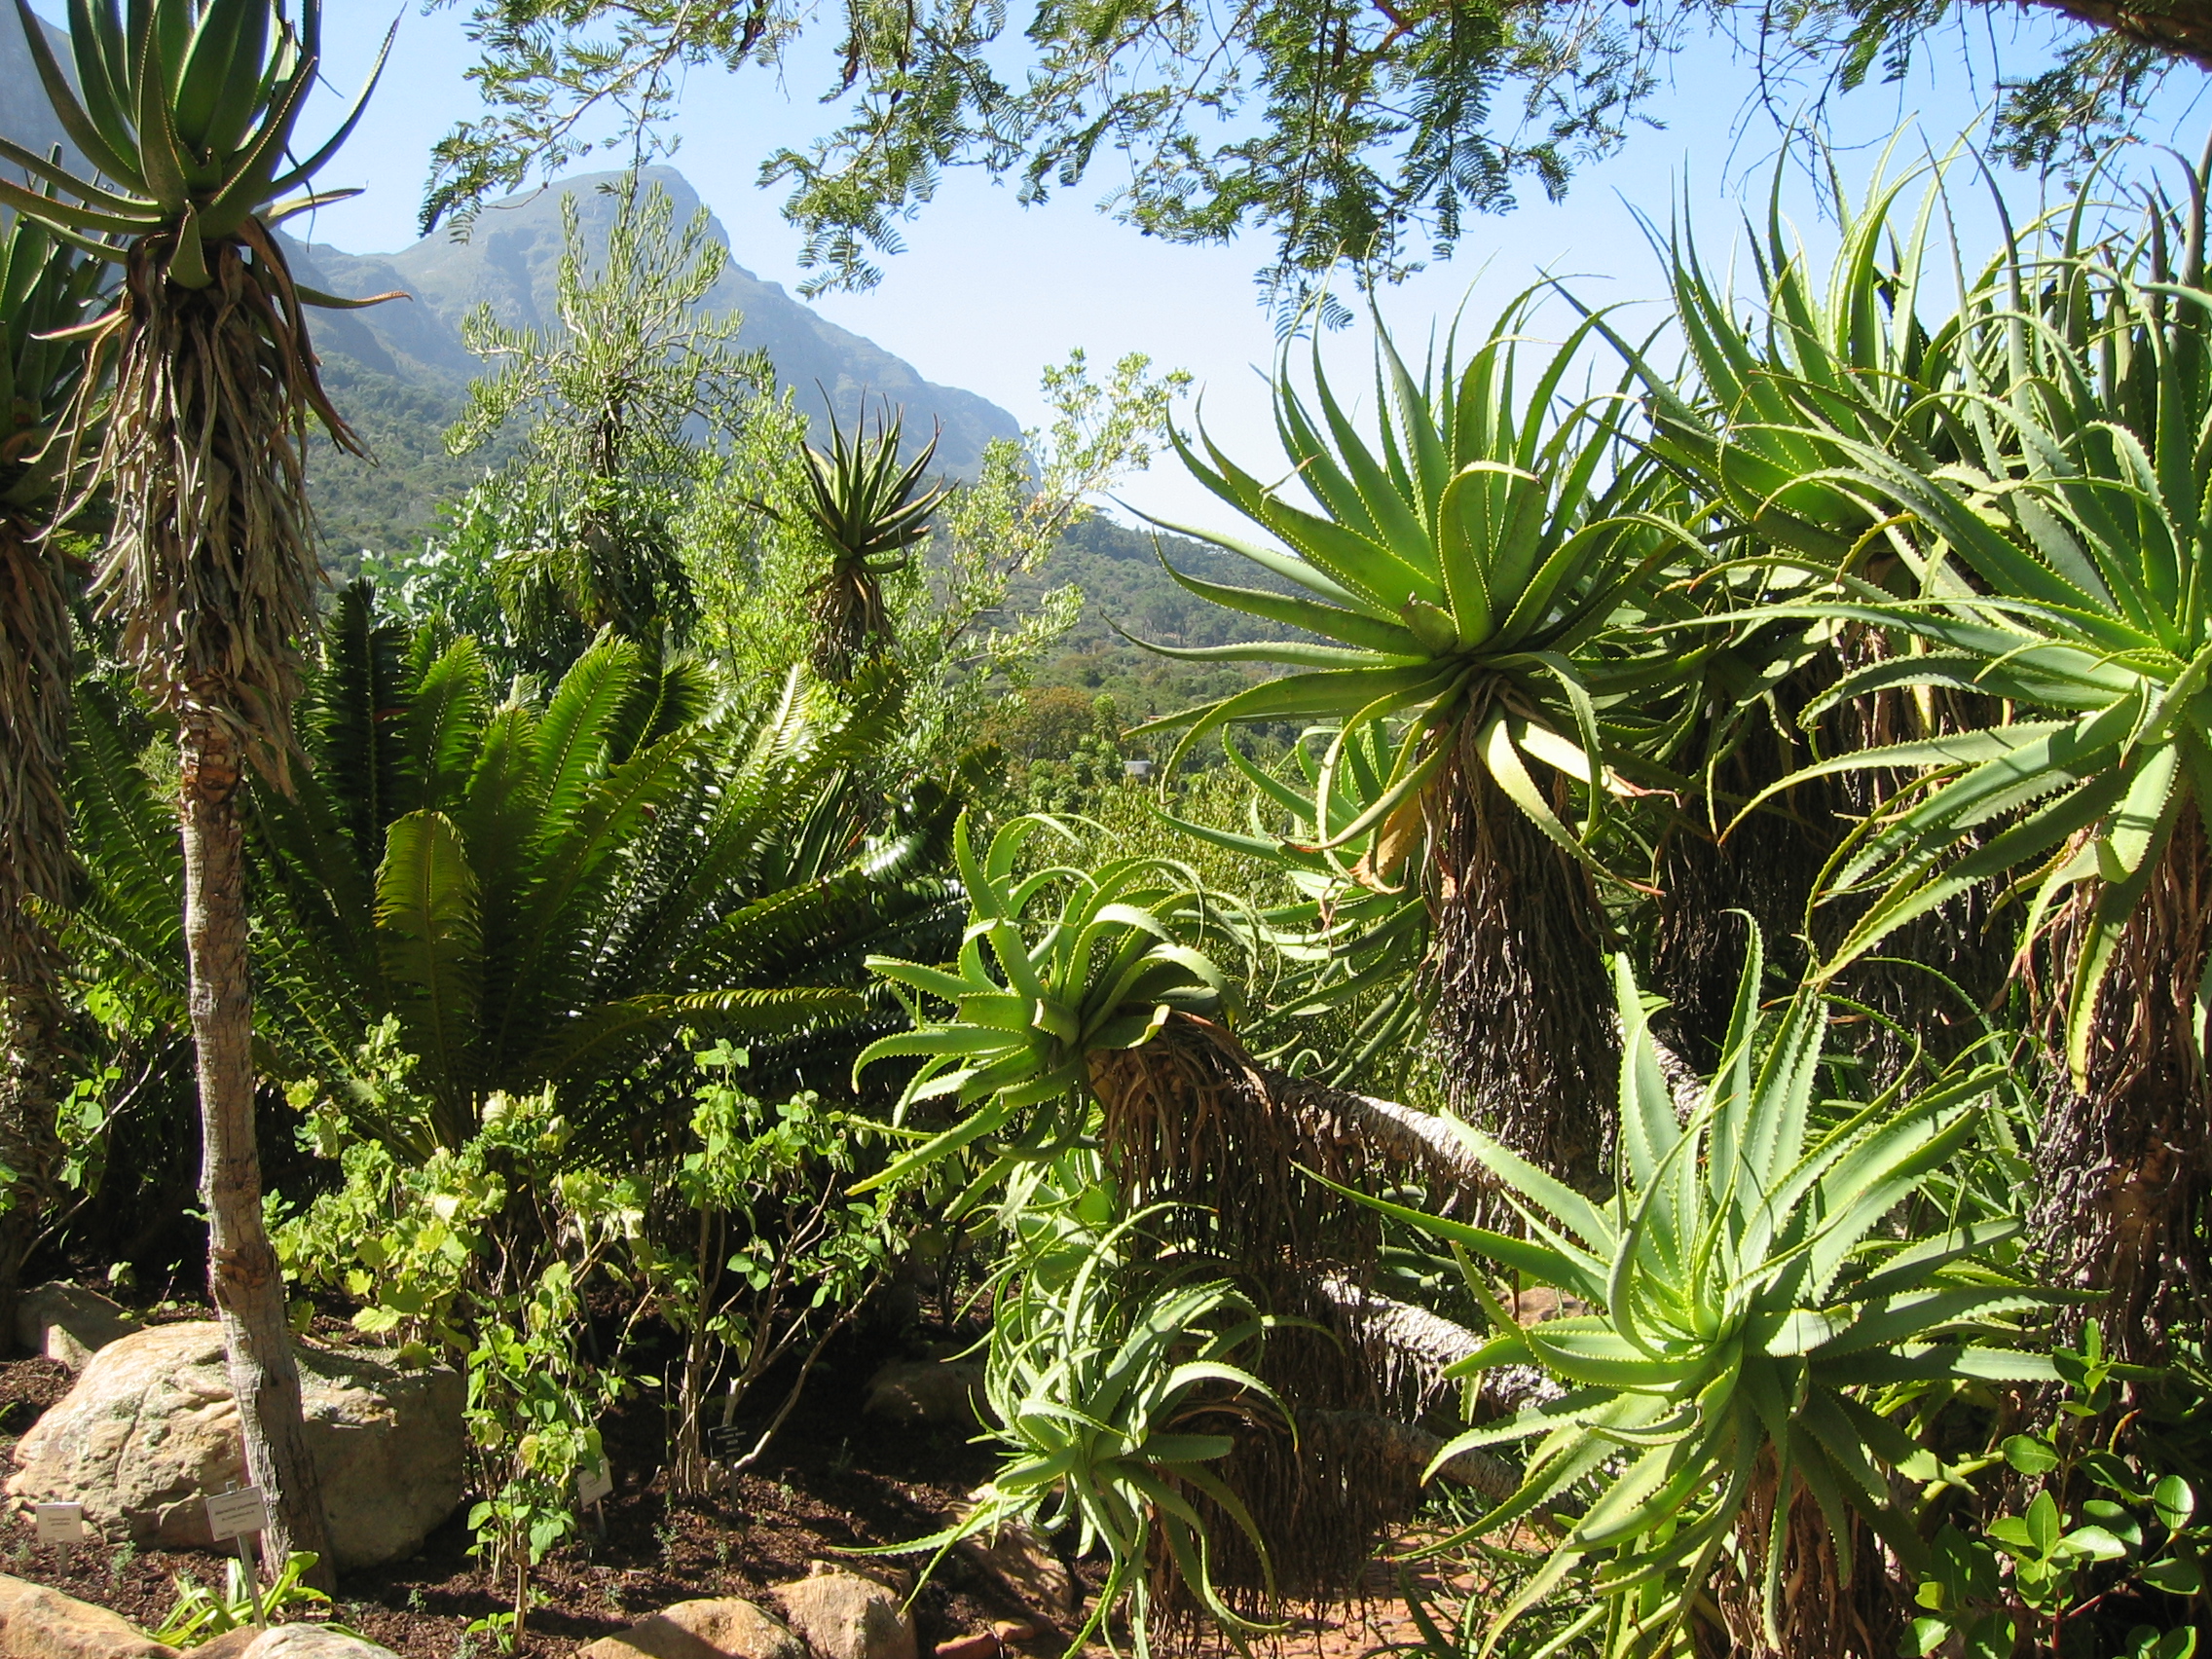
{"x": 234, "y": 1514}
{"x": 61, "y": 1524}
{"x": 595, "y": 1484}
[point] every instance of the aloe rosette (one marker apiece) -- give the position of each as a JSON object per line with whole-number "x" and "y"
{"x": 1457, "y": 578}
{"x": 187, "y": 111}
{"x": 1031, "y": 1000}
{"x": 1746, "y": 1300}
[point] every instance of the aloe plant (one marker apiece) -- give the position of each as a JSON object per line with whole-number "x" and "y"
{"x": 1746, "y": 1297}
{"x": 1464, "y": 580}
{"x": 1104, "y": 972}
{"x": 867, "y": 509}
{"x": 47, "y": 287}
{"x": 187, "y": 111}
{"x": 1117, "y": 1379}
{"x": 1458, "y": 570}
{"x": 1355, "y": 943}
{"x": 2054, "y": 568}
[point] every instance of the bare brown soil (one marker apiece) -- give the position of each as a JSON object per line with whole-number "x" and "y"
{"x": 834, "y": 1480}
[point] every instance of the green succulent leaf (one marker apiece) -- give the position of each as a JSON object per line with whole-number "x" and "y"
{"x": 1739, "y": 1309}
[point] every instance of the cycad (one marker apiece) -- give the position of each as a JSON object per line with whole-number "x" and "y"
{"x": 1462, "y": 580}
{"x": 47, "y": 288}
{"x": 546, "y": 892}
{"x": 187, "y": 109}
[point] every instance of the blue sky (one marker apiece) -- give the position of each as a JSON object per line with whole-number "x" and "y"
{"x": 988, "y": 292}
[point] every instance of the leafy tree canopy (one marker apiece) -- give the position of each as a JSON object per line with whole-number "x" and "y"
{"x": 1364, "y": 130}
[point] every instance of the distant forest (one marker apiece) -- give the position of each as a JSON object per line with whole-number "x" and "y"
{"x": 391, "y": 502}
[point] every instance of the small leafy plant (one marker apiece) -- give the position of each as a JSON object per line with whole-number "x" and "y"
{"x": 781, "y": 1258}
{"x": 2055, "y": 1560}
{"x": 1115, "y": 1378}
{"x": 201, "y": 1614}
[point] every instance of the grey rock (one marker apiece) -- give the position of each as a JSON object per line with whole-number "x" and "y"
{"x": 1026, "y": 1566}
{"x": 314, "y": 1641}
{"x": 38, "y": 1623}
{"x": 934, "y": 1392}
{"x": 68, "y": 1323}
{"x": 151, "y": 1429}
{"x": 847, "y": 1615}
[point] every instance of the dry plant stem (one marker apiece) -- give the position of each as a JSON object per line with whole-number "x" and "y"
{"x": 1429, "y": 1340}
{"x": 1825, "y": 1616}
{"x": 242, "y": 1265}
{"x": 1401, "y": 1446}
{"x": 2124, "y": 1170}
{"x": 1383, "y": 1128}
{"x": 1524, "y": 1005}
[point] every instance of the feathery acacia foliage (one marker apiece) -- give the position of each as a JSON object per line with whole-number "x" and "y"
{"x": 1355, "y": 133}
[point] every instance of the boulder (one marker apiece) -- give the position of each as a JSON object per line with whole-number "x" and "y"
{"x": 68, "y": 1323}
{"x": 735, "y": 1629}
{"x": 230, "y": 1645}
{"x": 1026, "y": 1566}
{"x": 848, "y": 1615}
{"x": 150, "y": 1429}
{"x": 38, "y": 1623}
{"x": 313, "y": 1641}
{"x": 650, "y": 1638}
{"x": 935, "y": 1391}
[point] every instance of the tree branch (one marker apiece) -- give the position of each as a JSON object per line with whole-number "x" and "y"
{"x": 1393, "y": 1131}
{"x": 1401, "y": 1446}
{"x": 2181, "y": 27}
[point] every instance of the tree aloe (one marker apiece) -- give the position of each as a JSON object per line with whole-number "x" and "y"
{"x": 187, "y": 109}
{"x": 863, "y": 507}
{"x": 2055, "y": 569}
{"x": 1460, "y": 577}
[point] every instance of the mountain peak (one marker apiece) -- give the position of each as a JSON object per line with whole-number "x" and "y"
{"x": 509, "y": 259}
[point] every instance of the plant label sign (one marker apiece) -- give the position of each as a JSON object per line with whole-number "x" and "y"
{"x": 725, "y": 1442}
{"x": 60, "y": 1524}
{"x": 595, "y": 1484}
{"x": 235, "y": 1513}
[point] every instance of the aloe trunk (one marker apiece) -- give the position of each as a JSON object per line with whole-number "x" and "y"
{"x": 2124, "y": 1165}
{"x": 1524, "y": 1006}
{"x": 243, "y": 1274}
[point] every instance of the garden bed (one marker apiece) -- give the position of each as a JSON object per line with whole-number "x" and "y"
{"x": 833, "y": 1479}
